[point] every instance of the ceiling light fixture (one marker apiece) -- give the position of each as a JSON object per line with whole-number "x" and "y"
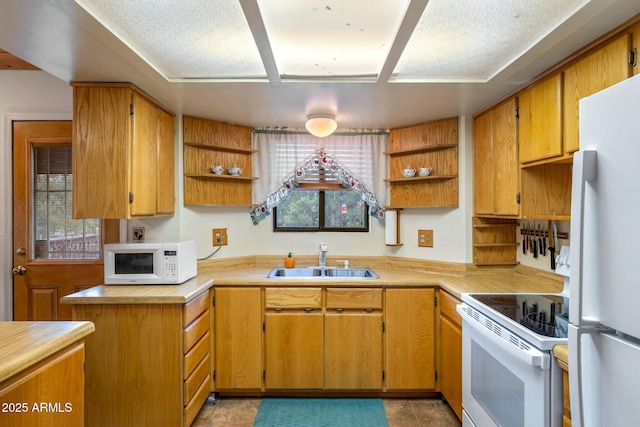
{"x": 321, "y": 124}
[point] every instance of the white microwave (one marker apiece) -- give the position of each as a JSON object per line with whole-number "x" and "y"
{"x": 168, "y": 263}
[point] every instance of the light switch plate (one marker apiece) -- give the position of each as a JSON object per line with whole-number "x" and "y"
{"x": 425, "y": 238}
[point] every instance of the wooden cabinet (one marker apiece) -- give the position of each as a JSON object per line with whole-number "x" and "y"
{"x": 146, "y": 364}
{"x": 294, "y": 338}
{"x": 540, "y": 120}
{"x": 353, "y": 339}
{"x": 410, "y": 339}
{"x": 495, "y": 161}
{"x": 238, "y": 338}
{"x": 48, "y": 393}
{"x": 604, "y": 67}
{"x": 451, "y": 352}
{"x": 123, "y": 151}
{"x": 435, "y": 145}
{"x": 208, "y": 143}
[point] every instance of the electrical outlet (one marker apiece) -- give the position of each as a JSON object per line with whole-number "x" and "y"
{"x": 219, "y": 236}
{"x": 425, "y": 238}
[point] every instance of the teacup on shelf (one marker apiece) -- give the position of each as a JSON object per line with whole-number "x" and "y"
{"x": 425, "y": 171}
{"x": 234, "y": 170}
{"x": 218, "y": 169}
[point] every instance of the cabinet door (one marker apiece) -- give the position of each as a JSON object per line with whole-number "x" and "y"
{"x": 540, "y": 120}
{"x": 410, "y": 339}
{"x": 353, "y": 351}
{"x": 504, "y": 159}
{"x": 451, "y": 378}
{"x": 238, "y": 338}
{"x": 482, "y": 165}
{"x": 603, "y": 68}
{"x": 294, "y": 350}
{"x": 144, "y": 157}
{"x": 166, "y": 191}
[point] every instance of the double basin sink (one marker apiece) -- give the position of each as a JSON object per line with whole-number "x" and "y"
{"x": 320, "y": 272}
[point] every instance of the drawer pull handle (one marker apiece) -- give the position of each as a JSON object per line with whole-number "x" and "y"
{"x": 308, "y": 310}
{"x": 369, "y": 310}
{"x": 277, "y": 309}
{"x": 339, "y": 310}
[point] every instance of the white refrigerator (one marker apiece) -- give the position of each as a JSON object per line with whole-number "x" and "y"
{"x": 604, "y": 315}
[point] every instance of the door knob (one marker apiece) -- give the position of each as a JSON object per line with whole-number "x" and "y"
{"x": 19, "y": 271}
{"x": 21, "y": 251}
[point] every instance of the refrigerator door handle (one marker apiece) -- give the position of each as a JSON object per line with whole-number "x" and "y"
{"x": 584, "y": 170}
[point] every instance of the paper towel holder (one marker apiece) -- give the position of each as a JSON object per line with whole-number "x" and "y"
{"x": 392, "y": 227}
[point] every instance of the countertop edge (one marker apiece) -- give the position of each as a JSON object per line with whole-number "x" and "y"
{"x": 73, "y": 331}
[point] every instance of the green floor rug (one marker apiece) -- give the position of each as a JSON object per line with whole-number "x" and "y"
{"x": 324, "y": 412}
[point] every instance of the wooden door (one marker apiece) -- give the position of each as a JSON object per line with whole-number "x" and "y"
{"x": 603, "y": 68}
{"x": 504, "y": 159}
{"x": 50, "y": 257}
{"x": 482, "y": 164}
{"x": 144, "y": 157}
{"x": 540, "y": 120}
{"x": 166, "y": 191}
{"x": 238, "y": 338}
{"x": 294, "y": 355}
{"x": 451, "y": 348}
{"x": 410, "y": 339}
{"x": 353, "y": 351}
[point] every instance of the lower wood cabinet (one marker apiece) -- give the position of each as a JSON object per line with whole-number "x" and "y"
{"x": 410, "y": 339}
{"x": 146, "y": 364}
{"x": 323, "y": 338}
{"x": 451, "y": 352}
{"x": 238, "y": 338}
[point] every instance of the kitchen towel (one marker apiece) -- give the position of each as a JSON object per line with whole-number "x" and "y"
{"x": 322, "y": 412}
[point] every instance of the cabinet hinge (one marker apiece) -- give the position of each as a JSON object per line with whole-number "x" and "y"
{"x": 130, "y": 197}
{"x": 518, "y": 198}
{"x": 213, "y": 301}
{"x": 214, "y": 374}
{"x": 382, "y": 326}
{"x": 264, "y": 326}
{"x": 517, "y": 112}
{"x": 435, "y": 301}
{"x": 264, "y": 375}
{"x": 436, "y": 375}
{"x": 633, "y": 56}
{"x": 382, "y": 375}
{"x": 131, "y": 109}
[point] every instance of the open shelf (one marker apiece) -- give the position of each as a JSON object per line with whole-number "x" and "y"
{"x": 221, "y": 147}
{"x": 416, "y": 150}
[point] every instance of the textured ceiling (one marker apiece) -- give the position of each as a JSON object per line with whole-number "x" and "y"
{"x": 444, "y": 40}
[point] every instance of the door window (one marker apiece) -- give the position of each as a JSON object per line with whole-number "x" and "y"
{"x": 56, "y": 235}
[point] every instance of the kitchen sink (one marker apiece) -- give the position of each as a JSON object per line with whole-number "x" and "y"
{"x": 318, "y": 272}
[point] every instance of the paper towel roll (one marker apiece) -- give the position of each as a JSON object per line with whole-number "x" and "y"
{"x": 391, "y": 228}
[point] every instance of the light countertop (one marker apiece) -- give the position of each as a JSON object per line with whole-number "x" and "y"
{"x": 23, "y": 344}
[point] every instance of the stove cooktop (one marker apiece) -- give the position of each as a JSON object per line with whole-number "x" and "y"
{"x": 537, "y": 318}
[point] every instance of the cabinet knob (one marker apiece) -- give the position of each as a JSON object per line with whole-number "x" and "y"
{"x": 19, "y": 271}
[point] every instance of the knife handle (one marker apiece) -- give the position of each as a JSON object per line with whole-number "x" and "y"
{"x": 535, "y": 249}
{"x": 552, "y": 252}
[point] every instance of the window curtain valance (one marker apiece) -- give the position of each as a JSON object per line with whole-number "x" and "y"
{"x": 287, "y": 156}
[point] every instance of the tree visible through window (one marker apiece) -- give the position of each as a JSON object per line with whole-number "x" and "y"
{"x": 322, "y": 210}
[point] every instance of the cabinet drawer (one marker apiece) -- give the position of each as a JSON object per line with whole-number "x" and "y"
{"x": 195, "y": 355}
{"x": 195, "y": 308}
{"x": 195, "y": 331}
{"x": 293, "y": 297}
{"x": 354, "y": 298}
{"x": 448, "y": 307}
{"x": 192, "y": 383}
{"x": 193, "y": 407}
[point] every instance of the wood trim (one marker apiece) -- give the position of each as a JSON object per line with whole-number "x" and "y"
{"x": 12, "y": 62}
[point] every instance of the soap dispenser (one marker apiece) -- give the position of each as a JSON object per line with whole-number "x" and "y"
{"x": 289, "y": 262}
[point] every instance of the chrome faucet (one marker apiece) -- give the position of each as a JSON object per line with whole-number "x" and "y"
{"x": 322, "y": 258}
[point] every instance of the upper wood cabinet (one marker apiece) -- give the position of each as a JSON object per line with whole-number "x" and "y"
{"x": 540, "y": 120}
{"x": 495, "y": 161}
{"x": 123, "y": 153}
{"x": 600, "y": 69}
{"x": 208, "y": 143}
{"x": 432, "y": 144}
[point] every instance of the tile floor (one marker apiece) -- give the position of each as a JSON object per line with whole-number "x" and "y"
{"x": 240, "y": 412}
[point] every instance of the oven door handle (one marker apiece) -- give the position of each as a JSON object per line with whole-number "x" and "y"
{"x": 531, "y": 355}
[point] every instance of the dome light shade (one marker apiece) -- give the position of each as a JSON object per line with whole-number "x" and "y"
{"x": 321, "y": 125}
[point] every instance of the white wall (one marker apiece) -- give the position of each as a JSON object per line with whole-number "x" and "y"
{"x": 24, "y": 95}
